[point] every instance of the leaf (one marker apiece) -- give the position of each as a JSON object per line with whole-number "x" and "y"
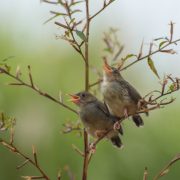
{"x": 152, "y": 67}
{"x": 75, "y": 11}
{"x": 171, "y": 87}
{"x": 75, "y": 3}
{"x": 162, "y": 43}
{"x": 128, "y": 56}
{"x": 108, "y": 50}
{"x": 81, "y": 35}
{"x": 169, "y": 51}
{"x": 6, "y": 122}
{"x": 53, "y": 17}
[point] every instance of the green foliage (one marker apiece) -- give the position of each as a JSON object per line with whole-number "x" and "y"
{"x": 6, "y": 122}
{"x": 152, "y": 66}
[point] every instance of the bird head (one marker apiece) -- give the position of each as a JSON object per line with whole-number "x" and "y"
{"x": 82, "y": 98}
{"x": 110, "y": 73}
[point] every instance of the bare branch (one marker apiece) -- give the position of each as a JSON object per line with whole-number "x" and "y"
{"x": 15, "y": 150}
{"x": 105, "y": 5}
{"x": 33, "y": 87}
{"x": 166, "y": 169}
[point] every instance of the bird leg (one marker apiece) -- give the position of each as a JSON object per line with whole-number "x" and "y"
{"x": 92, "y": 148}
{"x": 99, "y": 133}
{"x": 126, "y": 113}
{"x": 117, "y": 125}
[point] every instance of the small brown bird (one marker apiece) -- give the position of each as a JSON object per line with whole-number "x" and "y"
{"x": 96, "y": 117}
{"x": 121, "y": 98}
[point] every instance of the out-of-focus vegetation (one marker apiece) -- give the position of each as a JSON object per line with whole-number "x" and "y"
{"x": 57, "y": 68}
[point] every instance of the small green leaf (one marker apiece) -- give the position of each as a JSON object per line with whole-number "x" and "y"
{"x": 152, "y": 67}
{"x": 171, "y": 87}
{"x": 81, "y": 35}
{"x": 6, "y": 122}
{"x": 56, "y": 14}
{"x": 128, "y": 56}
{"x": 108, "y": 50}
{"x": 76, "y": 11}
{"x": 75, "y": 3}
{"x": 162, "y": 43}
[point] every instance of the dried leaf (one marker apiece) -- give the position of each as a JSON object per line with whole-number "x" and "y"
{"x": 169, "y": 51}
{"x": 152, "y": 67}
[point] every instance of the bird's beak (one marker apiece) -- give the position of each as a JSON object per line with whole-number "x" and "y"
{"x": 107, "y": 68}
{"x": 74, "y": 98}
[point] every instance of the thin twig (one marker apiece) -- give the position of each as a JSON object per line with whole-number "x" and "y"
{"x": 102, "y": 9}
{"x": 33, "y": 87}
{"x": 166, "y": 168}
{"x": 14, "y": 149}
{"x": 140, "y": 58}
{"x": 150, "y": 54}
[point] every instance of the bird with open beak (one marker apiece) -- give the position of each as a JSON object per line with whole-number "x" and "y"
{"x": 120, "y": 96}
{"x": 96, "y": 118}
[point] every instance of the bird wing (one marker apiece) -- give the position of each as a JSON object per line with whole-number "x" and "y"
{"x": 103, "y": 108}
{"x": 132, "y": 92}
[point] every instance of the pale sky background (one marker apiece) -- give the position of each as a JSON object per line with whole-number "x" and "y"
{"x": 136, "y": 20}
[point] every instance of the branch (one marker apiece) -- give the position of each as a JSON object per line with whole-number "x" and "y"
{"x": 151, "y": 102}
{"x": 34, "y": 163}
{"x": 166, "y": 169}
{"x": 140, "y": 57}
{"x": 86, "y": 143}
{"x": 151, "y": 53}
{"x": 34, "y": 88}
{"x": 105, "y": 5}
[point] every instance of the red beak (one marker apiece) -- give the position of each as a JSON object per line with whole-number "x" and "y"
{"x": 106, "y": 67}
{"x": 74, "y": 98}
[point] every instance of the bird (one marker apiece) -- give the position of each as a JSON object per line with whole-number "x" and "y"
{"x": 96, "y": 118}
{"x": 121, "y": 97}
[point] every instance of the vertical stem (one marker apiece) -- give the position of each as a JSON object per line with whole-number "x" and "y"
{"x": 86, "y": 143}
{"x": 87, "y": 48}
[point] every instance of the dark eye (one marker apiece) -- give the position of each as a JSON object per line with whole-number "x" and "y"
{"x": 83, "y": 95}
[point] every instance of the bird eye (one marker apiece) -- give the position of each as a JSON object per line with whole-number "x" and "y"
{"x": 83, "y": 95}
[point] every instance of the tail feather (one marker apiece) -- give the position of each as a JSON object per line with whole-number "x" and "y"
{"x": 117, "y": 141}
{"x": 138, "y": 120}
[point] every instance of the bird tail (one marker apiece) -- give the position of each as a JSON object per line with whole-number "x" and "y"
{"x": 117, "y": 141}
{"x": 138, "y": 120}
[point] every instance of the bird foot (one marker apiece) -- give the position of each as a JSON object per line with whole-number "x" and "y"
{"x": 92, "y": 148}
{"x": 126, "y": 113}
{"x": 117, "y": 125}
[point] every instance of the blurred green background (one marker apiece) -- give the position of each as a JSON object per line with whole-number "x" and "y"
{"x": 56, "y": 67}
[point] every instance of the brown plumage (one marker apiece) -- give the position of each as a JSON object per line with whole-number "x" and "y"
{"x": 120, "y": 96}
{"x": 96, "y": 117}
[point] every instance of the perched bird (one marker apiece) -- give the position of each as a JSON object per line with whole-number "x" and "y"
{"x": 96, "y": 118}
{"x": 121, "y": 97}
